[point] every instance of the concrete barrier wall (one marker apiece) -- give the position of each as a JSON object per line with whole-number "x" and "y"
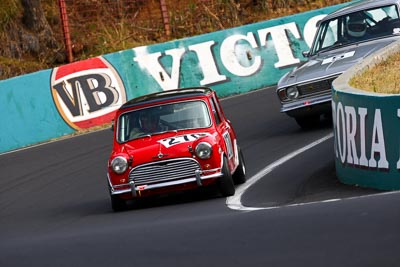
{"x": 56, "y": 102}
{"x": 366, "y": 130}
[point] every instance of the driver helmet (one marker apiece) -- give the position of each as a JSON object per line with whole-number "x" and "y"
{"x": 356, "y": 26}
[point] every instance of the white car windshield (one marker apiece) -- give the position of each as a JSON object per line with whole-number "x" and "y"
{"x": 163, "y": 118}
{"x": 357, "y": 27}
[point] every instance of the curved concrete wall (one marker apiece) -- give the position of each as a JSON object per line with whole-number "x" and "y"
{"x": 366, "y": 130}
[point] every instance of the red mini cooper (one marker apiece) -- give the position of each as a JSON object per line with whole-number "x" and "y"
{"x": 171, "y": 141}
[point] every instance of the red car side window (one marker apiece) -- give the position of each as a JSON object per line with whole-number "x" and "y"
{"x": 215, "y": 111}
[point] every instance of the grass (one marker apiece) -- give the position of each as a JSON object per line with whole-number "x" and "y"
{"x": 11, "y": 67}
{"x": 8, "y": 12}
{"x": 382, "y": 78}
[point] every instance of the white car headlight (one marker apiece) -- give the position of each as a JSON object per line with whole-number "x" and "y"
{"x": 119, "y": 164}
{"x": 292, "y": 92}
{"x": 203, "y": 150}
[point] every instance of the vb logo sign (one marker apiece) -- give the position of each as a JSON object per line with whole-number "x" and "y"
{"x": 87, "y": 93}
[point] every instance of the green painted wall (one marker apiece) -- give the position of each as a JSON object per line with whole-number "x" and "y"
{"x": 367, "y": 139}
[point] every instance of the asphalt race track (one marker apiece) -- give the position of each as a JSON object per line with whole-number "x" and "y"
{"x": 55, "y": 210}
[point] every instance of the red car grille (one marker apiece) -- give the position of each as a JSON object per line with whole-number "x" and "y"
{"x": 164, "y": 171}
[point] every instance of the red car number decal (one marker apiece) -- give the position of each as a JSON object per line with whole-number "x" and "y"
{"x": 168, "y": 142}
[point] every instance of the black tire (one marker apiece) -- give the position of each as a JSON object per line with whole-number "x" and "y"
{"x": 239, "y": 176}
{"x": 225, "y": 183}
{"x": 118, "y": 204}
{"x": 308, "y": 122}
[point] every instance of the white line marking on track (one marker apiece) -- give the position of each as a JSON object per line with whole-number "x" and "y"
{"x": 234, "y": 202}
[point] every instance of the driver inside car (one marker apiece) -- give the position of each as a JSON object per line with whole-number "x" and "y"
{"x": 148, "y": 123}
{"x": 356, "y": 27}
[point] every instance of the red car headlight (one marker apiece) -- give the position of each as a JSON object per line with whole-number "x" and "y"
{"x": 203, "y": 150}
{"x": 119, "y": 164}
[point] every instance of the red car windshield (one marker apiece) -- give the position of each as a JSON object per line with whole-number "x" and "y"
{"x": 163, "y": 118}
